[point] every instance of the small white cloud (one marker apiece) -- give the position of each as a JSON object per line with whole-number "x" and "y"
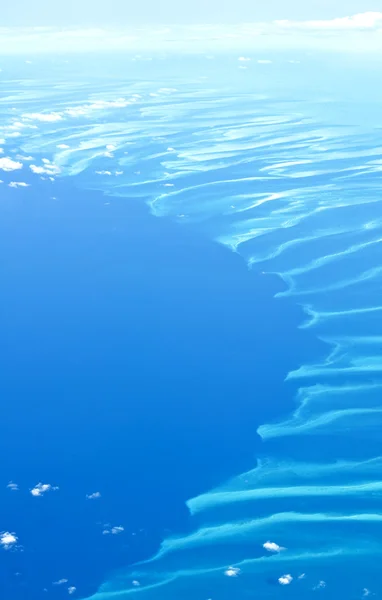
{"x": 60, "y": 582}
{"x": 365, "y": 593}
{"x": 117, "y": 173}
{"x": 7, "y": 540}
{"x": 117, "y": 530}
{"x": 76, "y": 112}
{"x": 21, "y": 157}
{"x": 273, "y": 547}
{"x": 243, "y": 59}
{"x": 110, "y": 147}
{"x": 17, "y": 125}
{"x": 264, "y": 61}
{"x": 71, "y": 589}
{"x": 113, "y": 530}
{"x": 48, "y": 168}
{"x": 42, "y": 488}
{"x": 320, "y": 585}
{"x": 93, "y": 496}
{"x": 37, "y": 170}
{"x": 86, "y": 109}
{"x": 136, "y": 583}
{"x": 16, "y": 184}
{"x": 103, "y": 172}
{"x": 62, "y": 146}
{"x": 12, "y": 486}
{"x": 232, "y": 572}
{"x": 302, "y": 576}
{"x": 285, "y": 579}
{"x": 7, "y": 164}
{"x": 43, "y": 117}
{"x": 361, "y": 21}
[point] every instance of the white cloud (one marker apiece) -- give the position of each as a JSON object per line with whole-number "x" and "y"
{"x": 78, "y": 111}
{"x": 71, "y": 589}
{"x": 113, "y": 530}
{"x": 119, "y": 103}
{"x": 285, "y": 579}
{"x": 111, "y": 147}
{"x": 37, "y": 170}
{"x": 62, "y": 146}
{"x": 15, "y": 184}
{"x": 44, "y": 117}
{"x": 21, "y": 157}
{"x": 48, "y": 168}
{"x": 103, "y": 172}
{"x": 7, "y": 540}
{"x": 243, "y": 59}
{"x": 60, "y": 581}
{"x": 273, "y": 547}
{"x": 93, "y": 496}
{"x": 17, "y": 125}
{"x": 320, "y": 585}
{"x": 86, "y": 109}
{"x": 12, "y": 486}
{"x": 7, "y": 164}
{"x": 232, "y": 572}
{"x": 42, "y": 488}
{"x": 136, "y": 583}
{"x": 117, "y": 530}
{"x": 264, "y": 61}
{"x": 361, "y": 21}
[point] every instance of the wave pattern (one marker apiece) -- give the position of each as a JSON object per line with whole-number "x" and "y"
{"x": 296, "y": 195}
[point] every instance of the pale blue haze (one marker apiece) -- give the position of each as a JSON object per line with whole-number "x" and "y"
{"x": 85, "y": 13}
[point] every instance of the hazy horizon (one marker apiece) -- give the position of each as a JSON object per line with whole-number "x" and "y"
{"x": 124, "y": 13}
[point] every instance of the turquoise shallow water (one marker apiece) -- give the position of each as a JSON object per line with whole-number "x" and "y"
{"x": 280, "y": 163}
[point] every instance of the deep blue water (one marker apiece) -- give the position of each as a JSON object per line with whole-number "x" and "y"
{"x": 138, "y": 359}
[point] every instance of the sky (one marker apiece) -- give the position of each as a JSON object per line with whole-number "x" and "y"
{"x": 127, "y": 12}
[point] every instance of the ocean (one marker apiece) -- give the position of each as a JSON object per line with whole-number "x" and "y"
{"x": 189, "y": 316}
